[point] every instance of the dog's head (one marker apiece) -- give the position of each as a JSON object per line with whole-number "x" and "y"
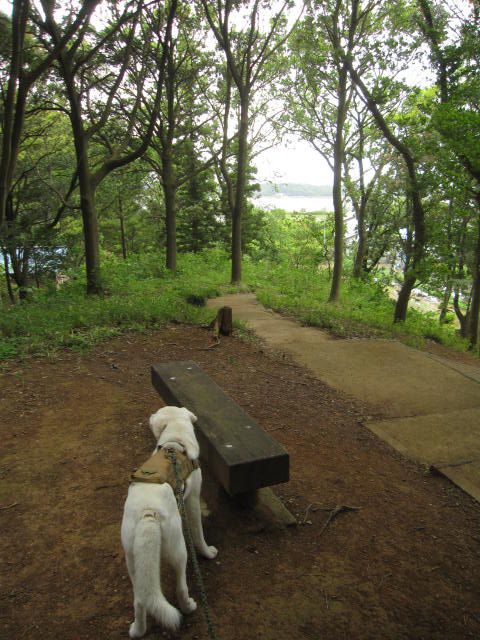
{"x": 179, "y": 422}
{"x": 160, "y": 419}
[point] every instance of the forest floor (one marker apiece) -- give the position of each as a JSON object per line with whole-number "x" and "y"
{"x": 405, "y": 565}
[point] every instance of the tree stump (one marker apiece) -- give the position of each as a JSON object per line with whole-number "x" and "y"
{"x": 223, "y": 323}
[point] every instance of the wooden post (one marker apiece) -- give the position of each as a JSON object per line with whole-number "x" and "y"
{"x": 223, "y": 323}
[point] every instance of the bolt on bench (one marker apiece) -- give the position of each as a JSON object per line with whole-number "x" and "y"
{"x": 241, "y": 456}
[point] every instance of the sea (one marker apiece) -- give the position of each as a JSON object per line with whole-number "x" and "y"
{"x": 295, "y": 203}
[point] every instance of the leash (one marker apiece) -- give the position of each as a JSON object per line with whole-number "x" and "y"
{"x": 191, "y": 547}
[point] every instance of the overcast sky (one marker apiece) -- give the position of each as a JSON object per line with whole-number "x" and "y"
{"x": 298, "y": 162}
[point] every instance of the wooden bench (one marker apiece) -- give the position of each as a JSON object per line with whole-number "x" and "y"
{"x": 239, "y": 453}
{"x": 241, "y": 456}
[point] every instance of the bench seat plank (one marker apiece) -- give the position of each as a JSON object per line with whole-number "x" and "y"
{"x": 239, "y": 453}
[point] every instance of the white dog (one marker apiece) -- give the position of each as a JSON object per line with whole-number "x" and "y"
{"x": 152, "y": 527}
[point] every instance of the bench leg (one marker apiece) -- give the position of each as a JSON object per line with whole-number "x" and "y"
{"x": 268, "y": 506}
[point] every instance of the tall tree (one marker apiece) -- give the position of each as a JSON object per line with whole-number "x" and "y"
{"x": 249, "y": 42}
{"x": 320, "y": 94}
{"x": 416, "y": 256}
{"x": 181, "y": 120}
{"x": 342, "y": 34}
{"x": 105, "y": 76}
{"x": 373, "y": 99}
{"x": 365, "y": 160}
{"x": 457, "y": 116}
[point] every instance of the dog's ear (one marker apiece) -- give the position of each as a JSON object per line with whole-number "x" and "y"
{"x": 192, "y": 416}
{"x": 158, "y": 421}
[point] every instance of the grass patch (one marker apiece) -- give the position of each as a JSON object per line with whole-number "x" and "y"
{"x": 140, "y": 294}
{"x": 365, "y": 309}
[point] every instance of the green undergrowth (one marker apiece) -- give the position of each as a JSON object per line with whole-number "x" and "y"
{"x": 139, "y": 294}
{"x": 365, "y": 309}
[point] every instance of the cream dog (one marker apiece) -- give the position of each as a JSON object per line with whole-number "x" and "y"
{"x": 152, "y": 527}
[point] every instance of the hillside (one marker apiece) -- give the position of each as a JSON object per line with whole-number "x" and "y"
{"x": 297, "y": 190}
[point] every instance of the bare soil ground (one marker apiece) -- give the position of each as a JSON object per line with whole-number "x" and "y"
{"x": 406, "y": 565}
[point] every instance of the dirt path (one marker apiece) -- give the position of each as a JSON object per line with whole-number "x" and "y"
{"x": 427, "y": 407}
{"x": 405, "y": 565}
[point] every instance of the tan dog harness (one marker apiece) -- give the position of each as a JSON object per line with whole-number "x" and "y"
{"x": 159, "y": 468}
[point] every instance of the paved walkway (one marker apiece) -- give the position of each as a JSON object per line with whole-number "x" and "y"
{"x": 429, "y": 406}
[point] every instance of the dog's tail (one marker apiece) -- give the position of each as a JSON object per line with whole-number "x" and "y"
{"x": 148, "y": 591}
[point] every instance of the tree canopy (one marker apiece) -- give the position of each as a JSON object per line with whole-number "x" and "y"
{"x": 128, "y": 127}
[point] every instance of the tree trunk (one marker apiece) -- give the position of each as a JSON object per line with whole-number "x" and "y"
{"x": 463, "y": 318}
{"x": 6, "y": 263}
{"x": 20, "y": 271}
{"x": 169, "y": 193}
{"x": 360, "y": 211}
{"x": 401, "y": 305}
{"x": 444, "y": 305}
{"x": 338, "y": 155}
{"x": 418, "y": 213}
{"x": 168, "y": 169}
{"x": 123, "y": 239}
{"x": 90, "y": 235}
{"x": 88, "y": 209}
{"x": 35, "y": 272}
{"x": 413, "y": 270}
{"x": 13, "y": 106}
{"x": 194, "y": 196}
{"x": 237, "y": 213}
{"x": 475, "y": 302}
{"x": 360, "y": 256}
{"x": 86, "y": 183}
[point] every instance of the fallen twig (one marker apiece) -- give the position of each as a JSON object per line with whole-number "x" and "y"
{"x": 340, "y": 508}
{"x": 212, "y": 346}
{"x": 14, "y": 504}
{"x": 313, "y": 507}
{"x": 106, "y": 486}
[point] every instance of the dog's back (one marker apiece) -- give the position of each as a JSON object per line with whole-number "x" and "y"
{"x": 149, "y": 514}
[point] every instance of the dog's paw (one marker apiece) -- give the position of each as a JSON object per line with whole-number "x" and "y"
{"x": 204, "y": 510}
{"x": 135, "y": 631}
{"x": 188, "y": 606}
{"x": 210, "y": 552}
{"x": 171, "y": 618}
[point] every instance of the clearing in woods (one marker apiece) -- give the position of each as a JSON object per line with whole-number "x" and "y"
{"x": 405, "y": 565}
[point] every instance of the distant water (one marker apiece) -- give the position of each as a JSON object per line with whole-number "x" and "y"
{"x": 307, "y": 204}
{"x": 295, "y": 203}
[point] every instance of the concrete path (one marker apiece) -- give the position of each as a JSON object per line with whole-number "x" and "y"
{"x": 429, "y": 406}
